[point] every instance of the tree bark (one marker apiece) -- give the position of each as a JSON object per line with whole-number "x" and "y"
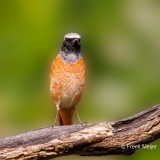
{"x": 121, "y": 137}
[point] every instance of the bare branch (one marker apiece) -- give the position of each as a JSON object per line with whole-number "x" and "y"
{"x": 85, "y": 140}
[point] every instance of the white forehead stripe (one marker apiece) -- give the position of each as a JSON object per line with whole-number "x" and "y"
{"x": 72, "y": 35}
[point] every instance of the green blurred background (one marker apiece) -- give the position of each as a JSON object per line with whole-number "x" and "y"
{"x": 121, "y": 48}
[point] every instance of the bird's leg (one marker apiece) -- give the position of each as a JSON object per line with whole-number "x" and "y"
{"x": 77, "y": 115}
{"x": 55, "y": 118}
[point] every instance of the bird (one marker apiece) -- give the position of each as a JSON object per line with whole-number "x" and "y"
{"x": 67, "y": 79}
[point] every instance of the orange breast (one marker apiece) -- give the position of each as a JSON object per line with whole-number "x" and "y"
{"x": 67, "y": 82}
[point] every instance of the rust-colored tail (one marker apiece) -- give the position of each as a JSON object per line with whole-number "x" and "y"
{"x": 65, "y": 116}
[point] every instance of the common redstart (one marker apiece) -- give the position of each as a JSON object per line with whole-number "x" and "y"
{"x": 67, "y": 78}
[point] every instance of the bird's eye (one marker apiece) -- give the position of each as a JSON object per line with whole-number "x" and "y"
{"x": 67, "y": 39}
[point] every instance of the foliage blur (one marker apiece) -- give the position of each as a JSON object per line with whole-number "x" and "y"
{"x": 121, "y": 48}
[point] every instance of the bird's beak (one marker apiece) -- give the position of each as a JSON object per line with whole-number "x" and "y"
{"x": 75, "y": 40}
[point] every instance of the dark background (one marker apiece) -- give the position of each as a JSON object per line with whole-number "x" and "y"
{"x": 120, "y": 46}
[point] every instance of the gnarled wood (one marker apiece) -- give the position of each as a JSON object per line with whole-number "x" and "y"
{"x": 112, "y": 138}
